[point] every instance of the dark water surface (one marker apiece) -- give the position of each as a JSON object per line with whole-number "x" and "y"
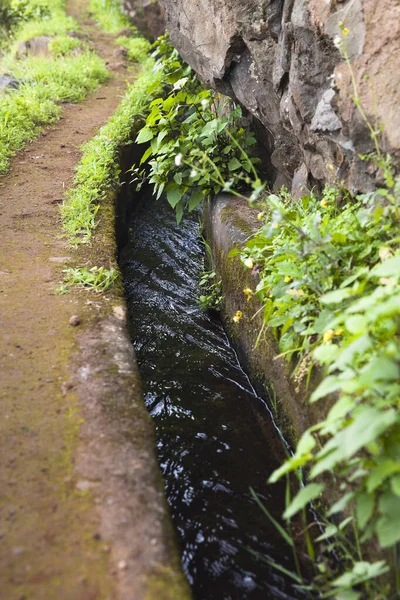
{"x": 215, "y": 438}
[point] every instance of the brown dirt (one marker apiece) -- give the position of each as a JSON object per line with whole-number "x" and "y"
{"x": 82, "y": 514}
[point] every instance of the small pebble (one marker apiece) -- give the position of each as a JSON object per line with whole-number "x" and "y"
{"x": 122, "y": 565}
{"x": 74, "y": 320}
{"x": 84, "y": 485}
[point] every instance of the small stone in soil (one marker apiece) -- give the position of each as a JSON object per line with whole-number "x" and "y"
{"x": 74, "y": 320}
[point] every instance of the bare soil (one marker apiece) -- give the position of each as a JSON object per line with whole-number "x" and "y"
{"x": 82, "y": 512}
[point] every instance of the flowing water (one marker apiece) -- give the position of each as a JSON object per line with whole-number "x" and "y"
{"x": 215, "y": 436}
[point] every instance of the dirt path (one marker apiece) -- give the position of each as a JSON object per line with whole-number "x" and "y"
{"x": 71, "y": 526}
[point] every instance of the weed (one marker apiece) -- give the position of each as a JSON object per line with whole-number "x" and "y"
{"x": 211, "y": 297}
{"x": 97, "y": 279}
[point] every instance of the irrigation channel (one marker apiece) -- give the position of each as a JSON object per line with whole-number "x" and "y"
{"x": 215, "y": 437}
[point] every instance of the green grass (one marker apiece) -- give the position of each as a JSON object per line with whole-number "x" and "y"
{"x": 48, "y": 81}
{"x": 138, "y": 48}
{"x": 98, "y": 169}
{"x": 63, "y": 76}
{"x": 108, "y": 14}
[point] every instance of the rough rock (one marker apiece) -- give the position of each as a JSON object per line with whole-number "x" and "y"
{"x": 37, "y": 46}
{"x": 7, "y": 82}
{"x": 147, "y": 15}
{"x": 280, "y": 60}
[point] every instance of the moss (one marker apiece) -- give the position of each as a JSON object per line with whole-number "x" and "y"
{"x": 231, "y": 213}
{"x": 167, "y": 584}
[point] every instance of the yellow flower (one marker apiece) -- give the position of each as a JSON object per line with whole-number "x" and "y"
{"x": 328, "y": 335}
{"x": 260, "y": 216}
{"x": 323, "y": 203}
{"x": 237, "y": 316}
{"x": 249, "y": 263}
{"x": 345, "y": 31}
{"x": 249, "y": 293}
{"x": 276, "y": 225}
{"x": 339, "y": 331}
{"x": 287, "y": 279}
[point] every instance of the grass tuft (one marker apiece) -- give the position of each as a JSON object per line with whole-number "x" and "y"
{"x": 64, "y": 76}
{"x": 46, "y": 82}
{"x": 98, "y": 169}
{"x": 109, "y": 15}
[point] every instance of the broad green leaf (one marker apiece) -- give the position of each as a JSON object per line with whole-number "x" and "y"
{"x": 324, "y": 320}
{"x": 146, "y": 155}
{"x": 234, "y": 164}
{"x": 359, "y": 273}
{"x": 328, "y": 385}
{"x": 286, "y": 342}
{"x": 341, "y": 504}
{"x": 304, "y": 496}
{"x": 359, "y": 346}
{"x": 388, "y": 525}
{"x": 195, "y": 199}
{"x": 347, "y": 595}
{"x": 381, "y": 472}
{"x": 362, "y": 571}
{"x": 174, "y": 194}
{"x": 336, "y": 296}
{"x": 179, "y": 211}
{"x": 306, "y": 443}
{"x": 395, "y": 484}
{"x": 330, "y": 531}
{"x": 368, "y": 424}
{"x": 379, "y": 369}
{"x": 145, "y": 135}
{"x": 291, "y": 464}
{"x": 364, "y": 508}
{"x": 389, "y": 268}
{"x": 326, "y": 353}
{"x": 356, "y": 324}
{"x": 178, "y": 85}
{"x": 178, "y": 178}
{"x": 160, "y": 137}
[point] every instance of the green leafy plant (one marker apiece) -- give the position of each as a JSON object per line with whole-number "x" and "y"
{"x": 97, "y": 279}
{"x": 211, "y": 291}
{"x": 330, "y": 291}
{"x": 196, "y": 145}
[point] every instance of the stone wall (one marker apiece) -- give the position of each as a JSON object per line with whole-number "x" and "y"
{"x": 279, "y": 59}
